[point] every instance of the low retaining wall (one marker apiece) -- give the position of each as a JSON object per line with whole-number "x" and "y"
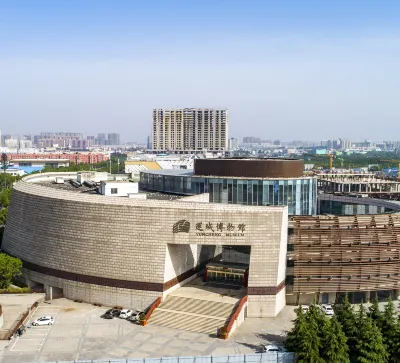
{"x": 1, "y": 317}
{"x": 22, "y": 319}
{"x": 235, "y": 320}
{"x": 150, "y": 311}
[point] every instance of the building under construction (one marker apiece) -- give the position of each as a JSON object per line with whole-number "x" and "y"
{"x": 357, "y": 184}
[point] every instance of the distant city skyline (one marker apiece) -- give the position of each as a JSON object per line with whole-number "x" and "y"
{"x": 289, "y": 69}
{"x": 121, "y": 138}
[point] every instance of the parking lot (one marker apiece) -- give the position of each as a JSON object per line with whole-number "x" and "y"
{"x": 79, "y": 333}
{"x": 34, "y": 340}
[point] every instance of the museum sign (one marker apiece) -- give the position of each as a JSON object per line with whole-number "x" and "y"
{"x": 211, "y": 229}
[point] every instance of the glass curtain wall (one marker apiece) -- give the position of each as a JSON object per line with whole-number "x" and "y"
{"x": 298, "y": 194}
{"x": 175, "y": 184}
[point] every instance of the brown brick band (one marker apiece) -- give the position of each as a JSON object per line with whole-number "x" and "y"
{"x": 139, "y": 285}
{"x": 95, "y": 280}
{"x": 123, "y": 284}
{"x": 266, "y": 290}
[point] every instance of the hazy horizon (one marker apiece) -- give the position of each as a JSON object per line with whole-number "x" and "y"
{"x": 304, "y": 70}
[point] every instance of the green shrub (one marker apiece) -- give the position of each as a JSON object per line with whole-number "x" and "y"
{"x": 10, "y": 268}
{"x": 142, "y": 317}
{"x": 16, "y": 290}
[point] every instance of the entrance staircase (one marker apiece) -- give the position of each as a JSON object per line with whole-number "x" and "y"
{"x": 194, "y": 314}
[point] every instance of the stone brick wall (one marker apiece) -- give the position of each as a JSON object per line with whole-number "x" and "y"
{"x": 113, "y": 251}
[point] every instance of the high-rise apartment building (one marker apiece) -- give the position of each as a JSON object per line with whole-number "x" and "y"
{"x": 190, "y": 130}
{"x": 233, "y": 143}
{"x": 57, "y": 139}
{"x": 101, "y": 139}
{"x": 113, "y": 139}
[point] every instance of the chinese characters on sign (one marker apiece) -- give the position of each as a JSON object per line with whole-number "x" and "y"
{"x": 217, "y": 229}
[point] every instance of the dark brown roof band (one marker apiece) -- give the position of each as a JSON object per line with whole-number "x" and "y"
{"x": 250, "y": 168}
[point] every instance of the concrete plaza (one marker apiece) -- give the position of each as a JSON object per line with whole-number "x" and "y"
{"x": 80, "y": 334}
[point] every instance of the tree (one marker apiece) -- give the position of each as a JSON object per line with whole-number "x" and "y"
{"x": 295, "y": 336}
{"x": 334, "y": 344}
{"x": 374, "y": 313}
{"x": 315, "y": 314}
{"x": 304, "y": 339}
{"x": 311, "y": 343}
{"x": 369, "y": 346}
{"x": 390, "y": 332}
{"x": 10, "y": 267}
{"x": 347, "y": 319}
{"x": 5, "y": 197}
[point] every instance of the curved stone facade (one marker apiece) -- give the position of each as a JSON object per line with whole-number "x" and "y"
{"x": 250, "y": 168}
{"x": 121, "y": 251}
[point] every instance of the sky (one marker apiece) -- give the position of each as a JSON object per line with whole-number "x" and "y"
{"x": 287, "y": 69}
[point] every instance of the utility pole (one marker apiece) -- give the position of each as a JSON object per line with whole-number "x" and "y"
{"x": 110, "y": 165}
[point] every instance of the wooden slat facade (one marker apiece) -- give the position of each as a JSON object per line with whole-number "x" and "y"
{"x": 344, "y": 253}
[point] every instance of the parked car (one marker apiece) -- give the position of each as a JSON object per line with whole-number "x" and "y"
{"x": 135, "y": 315}
{"x": 271, "y": 348}
{"x": 44, "y": 320}
{"x": 111, "y": 314}
{"x": 327, "y": 309}
{"x": 125, "y": 313}
{"x": 305, "y": 308}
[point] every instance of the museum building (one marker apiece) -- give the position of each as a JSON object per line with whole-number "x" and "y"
{"x": 249, "y": 223}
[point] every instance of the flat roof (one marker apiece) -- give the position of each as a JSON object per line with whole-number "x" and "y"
{"x": 256, "y": 158}
{"x": 93, "y": 190}
{"x": 176, "y": 172}
{"x": 190, "y": 173}
{"x": 38, "y": 160}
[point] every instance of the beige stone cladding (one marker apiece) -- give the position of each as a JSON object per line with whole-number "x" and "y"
{"x": 94, "y": 246}
{"x": 103, "y": 295}
{"x": 180, "y": 259}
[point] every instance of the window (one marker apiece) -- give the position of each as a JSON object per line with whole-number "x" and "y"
{"x": 114, "y": 190}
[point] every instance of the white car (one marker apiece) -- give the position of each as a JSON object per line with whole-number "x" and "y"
{"x": 271, "y": 348}
{"x": 125, "y": 313}
{"x": 305, "y": 308}
{"x": 327, "y": 309}
{"x": 135, "y": 315}
{"x": 44, "y": 320}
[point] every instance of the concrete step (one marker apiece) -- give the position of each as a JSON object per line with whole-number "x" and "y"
{"x": 197, "y": 315}
{"x": 186, "y": 321}
{"x": 197, "y": 306}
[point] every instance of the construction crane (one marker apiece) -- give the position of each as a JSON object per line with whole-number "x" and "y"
{"x": 331, "y": 156}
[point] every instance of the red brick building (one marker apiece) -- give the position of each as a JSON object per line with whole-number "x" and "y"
{"x": 75, "y": 157}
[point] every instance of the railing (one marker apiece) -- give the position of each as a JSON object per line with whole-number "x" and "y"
{"x": 153, "y": 306}
{"x": 234, "y": 358}
{"x": 227, "y": 328}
